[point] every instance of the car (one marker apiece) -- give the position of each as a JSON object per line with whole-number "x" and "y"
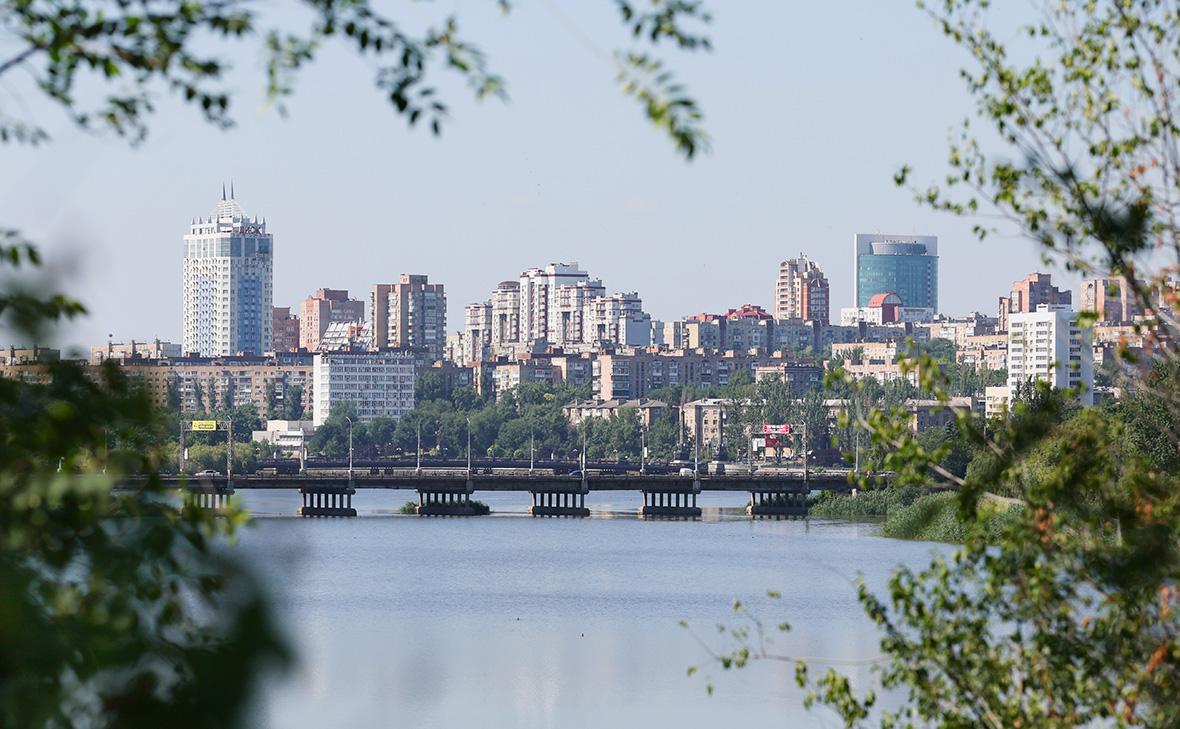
{"x": 687, "y": 472}
{"x": 207, "y": 473}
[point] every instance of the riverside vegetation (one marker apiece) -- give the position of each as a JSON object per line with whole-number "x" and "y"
{"x": 1066, "y": 612}
{"x": 120, "y": 610}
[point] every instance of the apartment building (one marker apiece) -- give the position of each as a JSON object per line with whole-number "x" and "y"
{"x": 323, "y": 308}
{"x": 1028, "y": 294}
{"x": 1049, "y": 345}
{"x": 410, "y": 314}
{"x": 378, "y": 384}
{"x": 801, "y": 291}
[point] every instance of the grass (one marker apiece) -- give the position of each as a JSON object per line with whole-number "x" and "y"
{"x": 410, "y": 507}
{"x": 914, "y": 513}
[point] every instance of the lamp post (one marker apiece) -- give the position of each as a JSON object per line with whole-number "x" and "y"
{"x": 349, "y": 448}
{"x": 418, "y": 466}
{"x": 642, "y": 450}
{"x": 532, "y": 452}
{"x": 469, "y": 447}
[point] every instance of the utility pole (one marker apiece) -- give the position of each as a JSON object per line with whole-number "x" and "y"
{"x": 229, "y": 454}
{"x": 349, "y": 448}
{"x": 469, "y": 448}
{"x": 804, "y": 451}
{"x": 418, "y": 467}
{"x": 532, "y": 452}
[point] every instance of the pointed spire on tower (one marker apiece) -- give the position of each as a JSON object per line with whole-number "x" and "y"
{"x": 223, "y": 191}
{"x": 231, "y": 189}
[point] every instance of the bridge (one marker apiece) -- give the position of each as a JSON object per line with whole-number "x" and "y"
{"x": 449, "y": 492}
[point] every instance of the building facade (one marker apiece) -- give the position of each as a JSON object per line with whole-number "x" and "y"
{"x": 1029, "y": 293}
{"x": 1049, "y": 345}
{"x": 284, "y": 329}
{"x": 801, "y": 291}
{"x": 410, "y": 314}
{"x": 227, "y": 282}
{"x": 378, "y": 384}
{"x": 323, "y": 308}
{"x": 903, "y": 265}
{"x": 1112, "y": 300}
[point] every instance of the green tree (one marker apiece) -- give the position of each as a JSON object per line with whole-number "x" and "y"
{"x": 293, "y": 403}
{"x": 1067, "y": 614}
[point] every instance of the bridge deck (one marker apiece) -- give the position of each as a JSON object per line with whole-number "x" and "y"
{"x": 459, "y": 481}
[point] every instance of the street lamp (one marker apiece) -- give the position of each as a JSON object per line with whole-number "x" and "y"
{"x": 642, "y": 450}
{"x": 349, "y": 448}
{"x": 468, "y": 446}
{"x": 418, "y": 468}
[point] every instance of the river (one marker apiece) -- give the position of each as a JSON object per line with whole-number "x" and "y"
{"x": 513, "y": 621}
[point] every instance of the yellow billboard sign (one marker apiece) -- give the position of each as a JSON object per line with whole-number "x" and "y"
{"x": 204, "y": 425}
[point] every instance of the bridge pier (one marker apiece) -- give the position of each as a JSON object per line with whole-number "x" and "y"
{"x": 672, "y": 501}
{"x": 778, "y": 503}
{"x": 209, "y": 498}
{"x": 448, "y": 502}
{"x": 327, "y": 501}
{"x": 559, "y": 503}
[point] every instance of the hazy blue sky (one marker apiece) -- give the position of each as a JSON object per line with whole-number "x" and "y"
{"x": 811, "y": 106}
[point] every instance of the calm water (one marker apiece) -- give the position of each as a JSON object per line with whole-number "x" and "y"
{"x": 511, "y": 621}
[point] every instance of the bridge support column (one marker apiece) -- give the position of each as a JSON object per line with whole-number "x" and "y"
{"x": 563, "y": 502}
{"x": 671, "y": 500}
{"x": 324, "y": 500}
{"x": 209, "y": 498}
{"x": 437, "y": 500}
{"x": 780, "y": 503}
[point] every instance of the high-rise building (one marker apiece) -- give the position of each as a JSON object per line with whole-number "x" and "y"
{"x": 228, "y": 269}
{"x": 1029, "y": 293}
{"x": 325, "y": 307}
{"x": 505, "y": 305}
{"x": 1112, "y": 300}
{"x": 906, "y": 265}
{"x": 537, "y": 287}
{"x": 378, "y": 384}
{"x": 1049, "y": 345}
{"x": 801, "y": 291}
{"x": 284, "y": 329}
{"x": 410, "y": 314}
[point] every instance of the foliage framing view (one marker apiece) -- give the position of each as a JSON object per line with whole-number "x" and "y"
{"x": 119, "y": 609}
{"x": 1069, "y": 616}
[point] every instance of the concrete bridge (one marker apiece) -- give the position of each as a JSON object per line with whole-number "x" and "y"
{"x": 449, "y": 492}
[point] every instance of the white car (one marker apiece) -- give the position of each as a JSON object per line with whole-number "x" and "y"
{"x": 687, "y": 472}
{"x": 207, "y": 472}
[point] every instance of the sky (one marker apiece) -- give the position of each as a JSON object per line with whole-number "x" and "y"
{"x": 811, "y": 109}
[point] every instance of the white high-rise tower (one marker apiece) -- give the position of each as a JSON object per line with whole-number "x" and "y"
{"x": 228, "y": 268}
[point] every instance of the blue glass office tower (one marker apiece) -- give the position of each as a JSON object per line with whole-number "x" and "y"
{"x": 906, "y": 265}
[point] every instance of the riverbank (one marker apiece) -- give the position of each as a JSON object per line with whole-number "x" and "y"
{"x": 910, "y": 512}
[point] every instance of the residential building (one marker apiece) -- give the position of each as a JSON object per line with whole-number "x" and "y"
{"x": 284, "y": 329}
{"x": 646, "y": 411}
{"x": 118, "y": 351}
{"x": 1113, "y": 300}
{"x": 228, "y": 269}
{"x": 505, "y": 312}
{"x": 704, "y": 421}
{"x": 801, "y": 291}
{"x": 899, "y": 264}
{"x": 1049, "y": 345}
{"x": 323, "y": 308}
{"x": 800, "y": 376}
{"x": 630, "y": 375}
{"x": 540, "y": 317}
{"x": 410, "y": 314}
{"x": 29, "y": 355}
{"x": 616, "y": 319}
{"x": 995, "y": 401}
{"x": 1030, "y": 293}
{"x": 347, "y": 335}
{"x": 475, "y": 343}
{"x": 378, "y": 384}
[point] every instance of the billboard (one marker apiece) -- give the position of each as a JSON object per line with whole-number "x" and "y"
{"x": 771, "y": 429}
{"x": 204, "y": 425}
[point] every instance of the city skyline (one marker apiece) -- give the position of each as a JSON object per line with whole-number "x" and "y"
{"x": 573, "y": 175}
